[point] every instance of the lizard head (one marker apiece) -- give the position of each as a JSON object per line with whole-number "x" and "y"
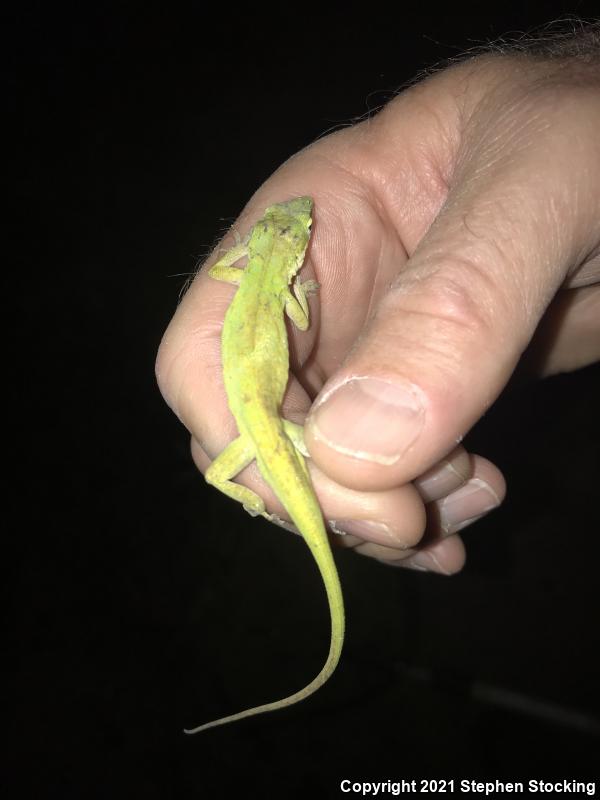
{"x": 294, "y": 218}
{"x": 300, "y": 209}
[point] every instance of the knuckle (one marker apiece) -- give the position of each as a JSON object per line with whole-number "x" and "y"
{"x": 165, "y": 372}
{"x": 458, "y": 300}
{"x": 458, "y": 291}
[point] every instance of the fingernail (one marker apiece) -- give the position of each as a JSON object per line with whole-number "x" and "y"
{"x": 439, "y": 481}
{"x": 423, "y": 561}
{"x": 472, "y": 501}
{"x": 283, "y": 523}
{"x": 370, "y": 419}
{"x": 372, "y": 531}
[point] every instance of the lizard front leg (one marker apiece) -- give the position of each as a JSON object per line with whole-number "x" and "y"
{"x": 224, "y": 270}
{"x": 296, "y": 305}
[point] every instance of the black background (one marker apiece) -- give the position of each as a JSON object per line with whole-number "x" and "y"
{"x": 140, "y": 601}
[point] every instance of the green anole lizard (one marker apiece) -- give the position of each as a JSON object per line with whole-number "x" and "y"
{"x": 254, "y": 351}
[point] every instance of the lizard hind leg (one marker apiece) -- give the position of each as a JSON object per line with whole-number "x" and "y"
{"x": 232, "y": 460}
{"x": 295, "y": 434}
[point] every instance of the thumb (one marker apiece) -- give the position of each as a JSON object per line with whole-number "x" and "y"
{"x": 447, "y": 335}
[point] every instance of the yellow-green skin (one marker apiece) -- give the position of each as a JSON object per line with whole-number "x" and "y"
{"x": 255, "y": 371}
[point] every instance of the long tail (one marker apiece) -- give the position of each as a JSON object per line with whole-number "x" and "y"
{"x": 307, "y": 518}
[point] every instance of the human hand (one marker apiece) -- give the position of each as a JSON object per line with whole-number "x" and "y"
{"x": 452, "y": 230}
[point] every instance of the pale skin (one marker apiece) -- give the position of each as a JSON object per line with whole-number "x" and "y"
{"x": 458, "y": 227}
{"x": 254, "y": 355}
